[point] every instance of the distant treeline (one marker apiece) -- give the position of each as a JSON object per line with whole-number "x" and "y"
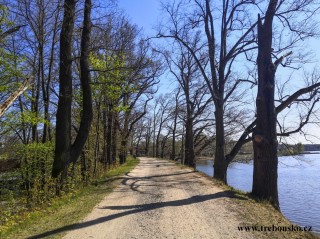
{"x": 311, "y": 147}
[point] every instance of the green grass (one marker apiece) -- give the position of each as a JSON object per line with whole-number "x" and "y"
{"x": 67, "y": 210}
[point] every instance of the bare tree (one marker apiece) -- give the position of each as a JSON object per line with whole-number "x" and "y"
{"x": 138, "y": 90}
{"x": 236, "y": 34}
{"x": 163, "y": 102}
{"x": 148, "y": 134}
{"x": 173, "y": 128}
{"x": 196, "y": 96}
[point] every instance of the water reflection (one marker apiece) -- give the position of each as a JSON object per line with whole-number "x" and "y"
{"x": 299, "y": 185}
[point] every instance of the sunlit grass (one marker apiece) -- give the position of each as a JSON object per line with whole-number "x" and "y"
{"x": 66, "y": 210}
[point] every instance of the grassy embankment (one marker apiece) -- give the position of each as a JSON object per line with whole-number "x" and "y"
{"x": 258, "y": 214}
{"x": 261, "y": 214}
{"x": 66, "y": 210}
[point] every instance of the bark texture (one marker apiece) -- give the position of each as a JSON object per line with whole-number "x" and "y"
{"x": 65, "y": 153}
{"x": 63, "y": 122}
{"x": 265, "y": 174}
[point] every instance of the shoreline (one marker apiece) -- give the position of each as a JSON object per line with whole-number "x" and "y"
{"x": 246, "y": 158}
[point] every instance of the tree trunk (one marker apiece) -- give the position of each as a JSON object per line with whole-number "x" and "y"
{"x": 84, "y": 173}
{"x": 63, "y": 122}
{"x": 265, "y": 173}
{"x": 64, "y": 152}
{"x": 35, "y": 108}
{"x": 163, "y": 145}
{"x": 158, "y": 140}
{"x": 220, "y": 163}
{"x": 182, "y": 145}
{"x": 148, "y": 138}
{"x": 114, "y": 138}
{"x": 24, "y": 131}
{"x": 109, "y": 133}
{"x": 137, "y": 147}
{"x": 46, "y": 87}
{"x": 104, "y": 158}
{"x": 87, "y": 115}
{"x": 97, "y": 138}
{"x": 173, "y": 148}
{"x": 123, "y": 151}
{"x": 154, "y": 135}
{"x": 154, "y": 131}
{"x": 189, "y": 144}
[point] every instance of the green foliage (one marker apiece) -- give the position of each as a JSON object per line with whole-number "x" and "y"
{"x": 110, "y": 78}
{"x": 8, "y": 69}
{"x": 4, "y": 18}
{"x": 57, "y": 213}
{"x": 8, "y": 61}
{"x": 31, "y": 117}
{"x": 36, "y": 172}
{"x": 109, "y": 75}
{"x": 10, "y": 66}
{"x": 31, "y": 184}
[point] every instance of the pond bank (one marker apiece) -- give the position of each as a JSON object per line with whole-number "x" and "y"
{"x": 299, "y": 190}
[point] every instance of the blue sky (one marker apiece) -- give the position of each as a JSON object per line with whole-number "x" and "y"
{"x": 144, "y": 13}
{"x": 147, "y": 13}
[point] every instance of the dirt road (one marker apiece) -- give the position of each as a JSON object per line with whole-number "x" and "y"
{"x": 161, "y": 200}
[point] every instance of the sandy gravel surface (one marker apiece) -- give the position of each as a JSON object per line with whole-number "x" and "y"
{"x": 161, "y": 200}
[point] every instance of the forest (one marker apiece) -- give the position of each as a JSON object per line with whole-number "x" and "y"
{"x": 82, "y": 90}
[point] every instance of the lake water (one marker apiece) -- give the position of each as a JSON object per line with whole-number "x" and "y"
{"x": 298, "y": 185}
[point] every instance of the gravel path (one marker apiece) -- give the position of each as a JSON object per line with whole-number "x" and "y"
{"x": 161, "y": 200}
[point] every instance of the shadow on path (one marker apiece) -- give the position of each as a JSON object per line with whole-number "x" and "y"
{"x": 128, "y": 177}
{"x": 135, "y": 182}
